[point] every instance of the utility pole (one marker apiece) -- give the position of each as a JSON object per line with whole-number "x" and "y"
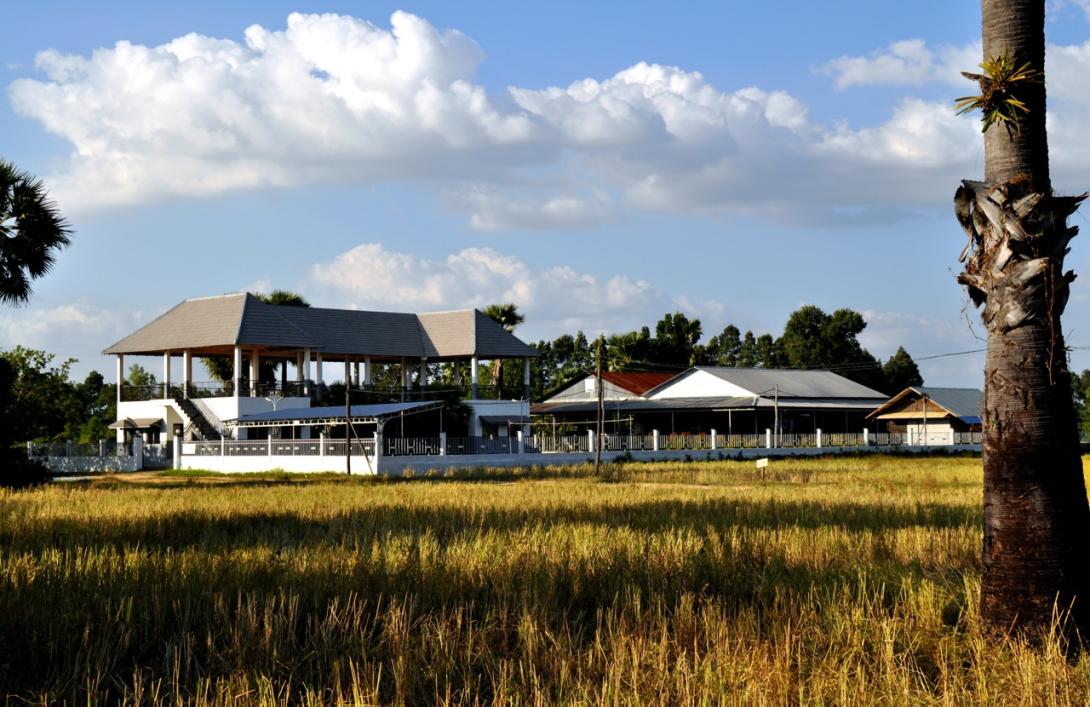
{"x": 347, "y": 423}
{"x": 925, "y": 418}
{"x": 600, "y": 413}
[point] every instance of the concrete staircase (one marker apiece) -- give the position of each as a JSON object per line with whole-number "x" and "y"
{"x": 195, "y": 419}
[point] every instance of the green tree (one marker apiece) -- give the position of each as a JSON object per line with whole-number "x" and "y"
{"x": 39, "y": 402}
{"x": 747, "y": 351}
{"x": 676, "y": 340}
{"x": 724, "y": 348}
{"x": 625, "y": 352}
{"x": 508, "y": 316}
{"x": 813, "y": 339}
{"x": 900, "y": 372}
{"x": 31, "y": 232}
{"x": 1035, "y": 506}
{"x": 140, "y": 376}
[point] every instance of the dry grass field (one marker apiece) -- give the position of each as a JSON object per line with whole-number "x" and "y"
{"x": 849, "y": 580}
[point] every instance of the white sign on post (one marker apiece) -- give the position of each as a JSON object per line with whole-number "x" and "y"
{"x": 762, "y": 463}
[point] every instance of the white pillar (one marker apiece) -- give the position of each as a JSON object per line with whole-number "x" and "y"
{"x": 442, "y": 444}
{"x": 404, "y": 372}
{"x": 378, "y": 448}
{"x": 223, "y": 446}
{"x": 367, "y": 370}
{"x": 299, "y": 367}
{"x": 269, "y": 440}
{"x": 866, "y": 437}
{"x": 951, "y": 438}
{"x": 318, "y": 367}
{"x": 187, "y": 371}
{"x": 715, "y": 438}
{"x": 819, "y": 438}
{"x": 236, "y": 371}
{"x": 474, "y": 374}
{"x": 306, "y": 364}
{"x": 255, "y": 371}
{"x": 655, "y": 440}
{"x": 120, "y": 375}
{"x": 177, "y": 453}
{"x": 526, "y": 378}
{"x": 518, "y": 434}
{"x": 768, "y": 438}
{"x": 590, "y": 439}
{"x": 166, "y": 374}
{"x": 321, "y": 444}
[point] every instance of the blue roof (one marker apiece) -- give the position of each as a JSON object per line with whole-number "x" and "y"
{"x": 333, "y": 412}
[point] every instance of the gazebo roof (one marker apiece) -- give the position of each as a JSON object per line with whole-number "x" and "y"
{"x": 214, "y": 325}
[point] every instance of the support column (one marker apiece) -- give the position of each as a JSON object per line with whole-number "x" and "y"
{"x": 255, "y": 372}
{"x": 526, "y": 378}
{"x": 347, "y": 372}
{"x": 120, "y": 375}
{"x": 299, "y": 367}
{"x": 423, "y": 374}
{"x": 367, "y": 371}
{"x": 474, "y": 374}
{"x": 404, "y": 376}
{"x": 166, "y": 374}
{"x": 283, "y": 377}
{"x": 236, "y": 371}
{"x": 356, "y": 372}
{"x": 306, "y": 364}
{"x": 187, "y": 372}
{"x": 318, "y": 368}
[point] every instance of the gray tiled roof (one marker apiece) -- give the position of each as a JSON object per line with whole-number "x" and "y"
{"x": 242, "y": 319}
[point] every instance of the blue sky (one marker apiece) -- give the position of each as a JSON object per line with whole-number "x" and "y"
{"x": 597, "y": 166}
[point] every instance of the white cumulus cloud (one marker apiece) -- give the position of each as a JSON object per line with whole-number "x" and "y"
{"x": 338, "y": 99}
{"x": 555, "y": 299}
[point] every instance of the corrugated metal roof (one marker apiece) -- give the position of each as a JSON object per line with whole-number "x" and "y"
{"x": 706, "y": 404}
{"x": 637, "y": 382}
{"x": 369, "y": 412}
{"x": 791, "y": 383}
{"x": 962, "y": 402}
{"x": 242, "y": 319}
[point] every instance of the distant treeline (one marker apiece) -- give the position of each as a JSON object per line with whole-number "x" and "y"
{"x": 811, "y": 339}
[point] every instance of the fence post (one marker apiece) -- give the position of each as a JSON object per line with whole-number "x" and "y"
{"x": 866, "y": 437}
{"x": 270, "y": 443}
{"x": 590, "y": 440}
{"x": 655, "y": 440}
{"x": 101, "y": 448}
{"x": 952, "y": 436}
{"x": 819, "y": 438}
{"x": 442, "y": 444}
{"x": 177, "y": 449}
{"x": 518, "y": 434}
{"x": 29, "y": 450}
{"x": 768, "y": 438}
{"x": 223, "y": 446}
{"x": 715, "y": 439}
{"x": 138, "y": 452}
{"x": 321, "y": 444}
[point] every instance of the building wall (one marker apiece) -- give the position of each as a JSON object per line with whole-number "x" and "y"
{"x": 701, "y": 384}
{"x": 494, "y": 408}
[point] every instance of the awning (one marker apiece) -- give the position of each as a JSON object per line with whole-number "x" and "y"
{"x": 505, "y": 420}
{"x": 136, "y": 423}
{"x": 333, "y": 414}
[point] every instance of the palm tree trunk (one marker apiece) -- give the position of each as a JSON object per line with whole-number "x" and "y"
{"x": 1035, "y": 506}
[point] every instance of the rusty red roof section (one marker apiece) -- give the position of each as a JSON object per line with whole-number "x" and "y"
{"x": 636, "y": 383}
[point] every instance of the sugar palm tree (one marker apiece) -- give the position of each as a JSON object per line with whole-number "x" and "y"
{"x": 31, "y": 232}
{"x": 508, "y": 316}
{"x": 1035, "y": 507}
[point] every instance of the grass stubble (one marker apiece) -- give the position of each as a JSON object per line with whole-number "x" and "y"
{"x": 831, "y": 580}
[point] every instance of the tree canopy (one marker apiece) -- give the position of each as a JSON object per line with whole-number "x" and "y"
{"x": 32, "y": 230}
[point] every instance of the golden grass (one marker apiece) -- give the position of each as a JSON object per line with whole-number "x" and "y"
{"x": 849, "y": 580}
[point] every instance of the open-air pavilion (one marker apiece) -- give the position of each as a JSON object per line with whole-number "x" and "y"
{"x": 302, "y": 342}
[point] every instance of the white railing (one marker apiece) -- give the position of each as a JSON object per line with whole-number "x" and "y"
{"x": 68, "y": 450}
{"x": 281, "y": 448}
